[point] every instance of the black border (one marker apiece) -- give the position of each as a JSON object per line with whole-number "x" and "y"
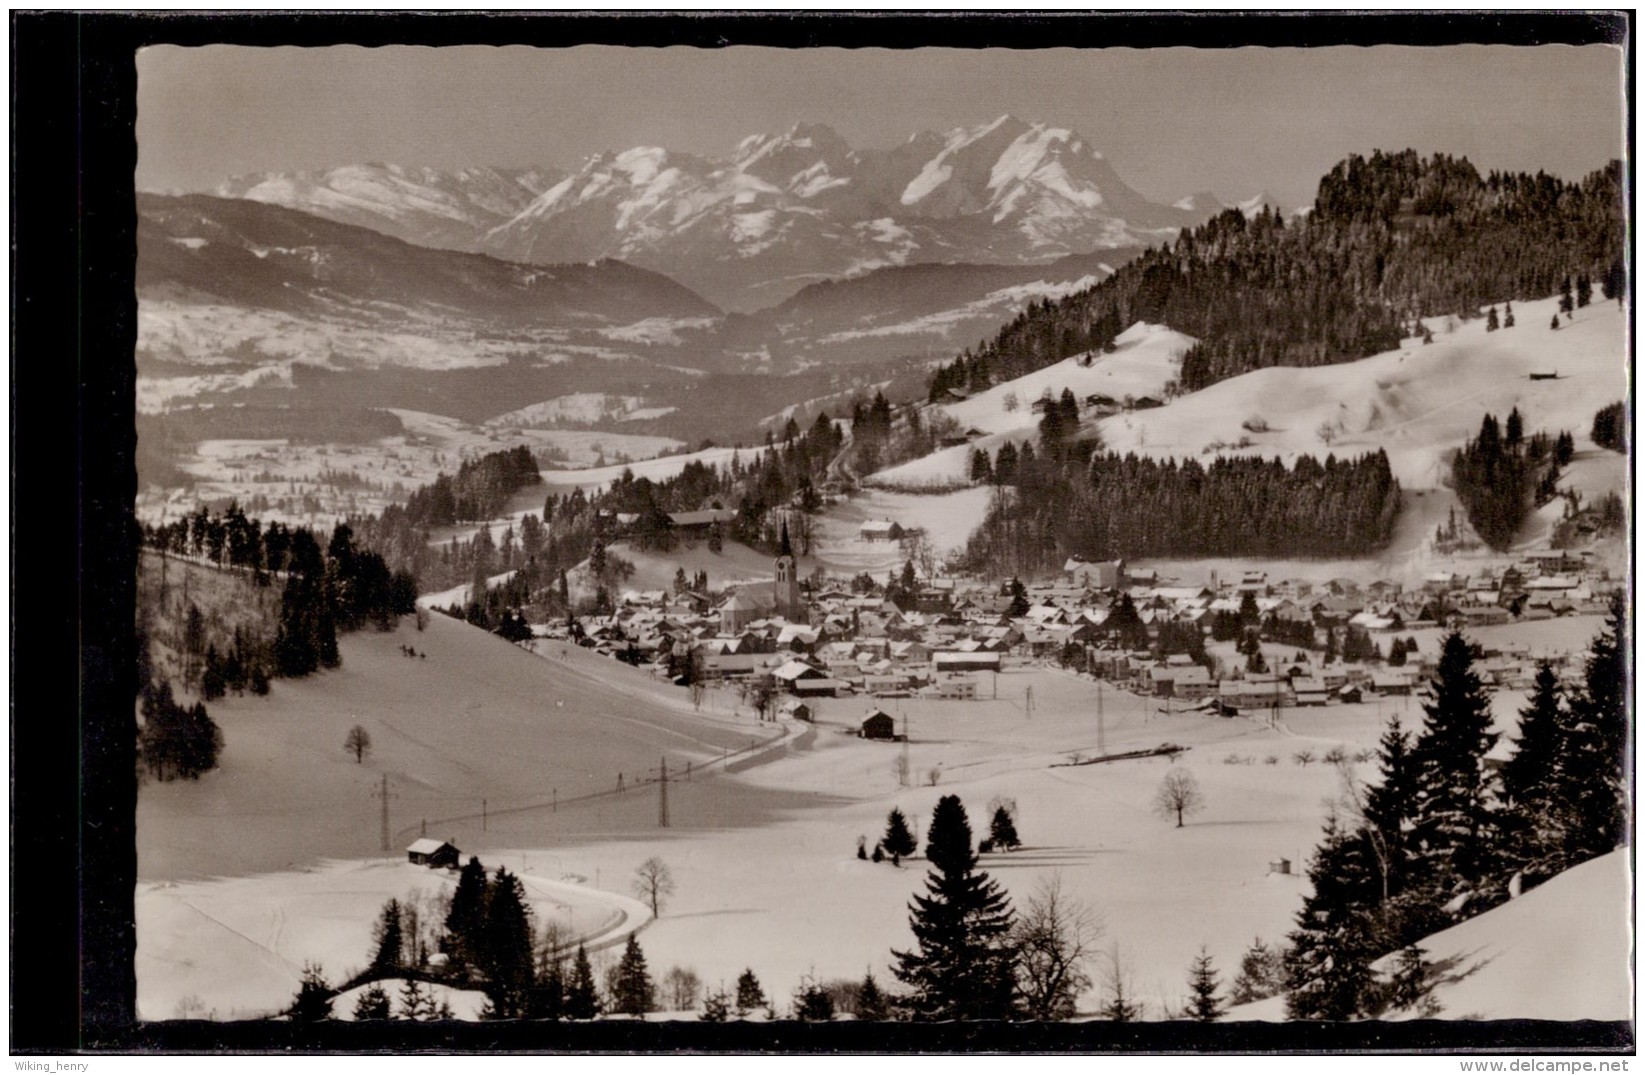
{"x": 74, "y": 318}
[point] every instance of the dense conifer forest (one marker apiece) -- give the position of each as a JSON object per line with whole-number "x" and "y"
{"x": 1126, "y": 506}
{"x": 1391, "y": 238}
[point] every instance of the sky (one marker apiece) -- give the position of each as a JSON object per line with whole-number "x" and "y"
{"x": 1170, "y": 121}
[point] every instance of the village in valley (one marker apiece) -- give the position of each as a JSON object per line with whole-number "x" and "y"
{"x": 783, "y": 642}
{"x": 917, "y": 584}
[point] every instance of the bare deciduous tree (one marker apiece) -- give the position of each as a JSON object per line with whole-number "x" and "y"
{"x": 681, "y": 988}
{"x": 900, "y": 766}
{"x": 1178, "y": 796}
{"x": 358, "y": 743}
{"x": 1055, "y": 935}
{"x": 652, "y": 882}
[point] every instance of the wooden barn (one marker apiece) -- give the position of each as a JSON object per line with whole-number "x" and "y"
{"x": 432, "y": 853}
{"x": 878, "y": 724}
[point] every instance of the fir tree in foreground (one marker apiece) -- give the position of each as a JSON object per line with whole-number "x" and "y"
{"x": 1261, "y": 974}
{"x": 812, "y": 1004}
{"x": 1594, "y": 759}
{"x": 1453, "y": 824}
{"x": 1532, "y": 783}
{"x": 1203, "y": 1005}
{"x": 964, "y": 963}
{"x": 389, "y": 951}
{"x": 1328, "y": 963}
{"x": 871, "y": 1003}
{"x": 506, "y": 947}
{"x": 750, "y": 996}
{"x": 582, "y": 999}
{"x": 372, "y": 1003}
{"x": 314, "y": 995}
{"x": 635, "y": 994}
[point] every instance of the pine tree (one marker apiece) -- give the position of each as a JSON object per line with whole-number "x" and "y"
{"x": 548, "y": 1000}
{"x": 582, "y": 999}
{"x": 415, "y": 1003}
{"x": 1453, "y": 826}
{"x": 1412, "y": 980}
{"x": 964, "y": 965}
{"x": 1584, "y": 290}
{"x": 506, "y": 946}
{"x": 1202, "y": 984}
{"x": 634, "y": 992}
{"x": 1328, "y": 960}
{"x": 1508, "y": 316}
{"x": 1002, "y": 831}
{"x": 1491, "y": 321}
{"x": 717, "y": 1005}
{"x": 749, "y": 994}
{"x": 1389, "y": 806}
{"x": 314, "y": 995}
{"x": 871, "y": 1003}
{"x": 1261, "y": 974}
{"x": 1528, "y": 778}
{"x": 812, "y": 1004}
{"x": 1554, "y": 324}
{"x": 389, "y": 947}
{"x": 372, "y": 1003}
{"x": 465, "y": 920}
{"x": 898, "y": 841}
{"x": 1594, "y": 756}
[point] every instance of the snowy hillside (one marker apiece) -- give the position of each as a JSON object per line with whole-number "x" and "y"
{"x": 1418, "y": 403}
{"x": 1561, "y": 951}
{"x": 1146, "y": 358}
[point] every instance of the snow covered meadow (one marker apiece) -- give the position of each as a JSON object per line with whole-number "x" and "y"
{"x": 490, "y": 743}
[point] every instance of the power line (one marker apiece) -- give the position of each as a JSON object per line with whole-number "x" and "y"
{"x": 662, "y": 796}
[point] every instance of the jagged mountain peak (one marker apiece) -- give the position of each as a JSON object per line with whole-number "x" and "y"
{"x": 781, "y": 210}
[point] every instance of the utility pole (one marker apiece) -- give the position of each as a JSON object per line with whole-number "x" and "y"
{"x": 1102, "y": 750}
{"x": 662, "y": 796}
{"x": 383, "y": 795}
{"x": 483, "y": 813}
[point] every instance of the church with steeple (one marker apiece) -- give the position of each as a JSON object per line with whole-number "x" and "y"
{"x": 785, "y": 592}
{"x": 757, "y": 603}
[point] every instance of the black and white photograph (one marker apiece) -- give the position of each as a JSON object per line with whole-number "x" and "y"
{"x": 749, "y": 535}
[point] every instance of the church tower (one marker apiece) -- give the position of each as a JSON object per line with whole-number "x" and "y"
{"x": 785, "y": 592}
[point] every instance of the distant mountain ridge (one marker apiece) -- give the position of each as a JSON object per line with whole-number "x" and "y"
{"x": 782, "y": 211}
{"x": 258, "y": 255}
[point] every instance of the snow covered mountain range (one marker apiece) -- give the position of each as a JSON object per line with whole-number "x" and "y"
{"x": 780, "y": 212}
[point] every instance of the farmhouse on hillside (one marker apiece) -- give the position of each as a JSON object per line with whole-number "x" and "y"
{"x": 432, "y": 853}
{"x": 879, "y": 530}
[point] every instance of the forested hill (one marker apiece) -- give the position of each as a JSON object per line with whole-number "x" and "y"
{"x": 1391, "y": 238}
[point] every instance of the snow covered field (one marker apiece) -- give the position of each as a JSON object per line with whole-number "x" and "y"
{"x": 764, "y": 855}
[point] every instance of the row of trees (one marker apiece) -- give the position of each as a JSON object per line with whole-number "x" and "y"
{"x": 1439, "y": 838}
{"x": 1132, "y": 506}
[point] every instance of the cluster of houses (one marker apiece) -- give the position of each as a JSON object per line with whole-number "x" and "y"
{"x": 834, "y": 641}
